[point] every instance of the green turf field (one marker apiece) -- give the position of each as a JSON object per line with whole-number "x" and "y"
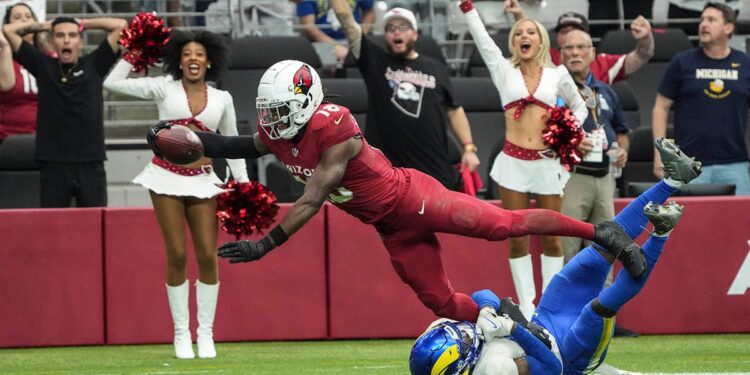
{"x": 649, "y": 354}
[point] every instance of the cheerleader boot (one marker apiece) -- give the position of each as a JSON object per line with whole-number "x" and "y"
{"x": 178, "y": 305}
{"x": 206, "y": 297}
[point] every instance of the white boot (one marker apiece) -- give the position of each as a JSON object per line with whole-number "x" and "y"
{"x": 178, "y": 305}
{"x": 523, "y": 278}
{"x": 206, "y": 296}
{"x": 550, "y": 267}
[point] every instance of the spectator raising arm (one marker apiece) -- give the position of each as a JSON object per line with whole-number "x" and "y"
{"x": 640, "y": 28}
{"x": 112, "y": 25}
{"x": 659, "y": 128}
{"x": 7, "y": 76}
{"x": 15, "y": 32}
{"x": 352, "y": 29}
{"x": 514, "y": 8}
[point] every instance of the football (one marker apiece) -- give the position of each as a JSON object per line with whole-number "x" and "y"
{"x": 179, "y": 145}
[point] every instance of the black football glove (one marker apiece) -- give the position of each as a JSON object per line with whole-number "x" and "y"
{"x": 245, "y": 251}
{"x": 151, "y": 136}
{"x": 509, "y": 308}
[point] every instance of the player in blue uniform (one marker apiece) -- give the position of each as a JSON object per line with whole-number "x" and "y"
{"x": 575, "y": 311}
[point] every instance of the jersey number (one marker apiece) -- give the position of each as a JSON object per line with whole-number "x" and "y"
{"x": 29, "y": 82}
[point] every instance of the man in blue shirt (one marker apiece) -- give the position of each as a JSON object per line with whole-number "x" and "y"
{"x": 710, "y": 88}
{"x": 321, "y": 24}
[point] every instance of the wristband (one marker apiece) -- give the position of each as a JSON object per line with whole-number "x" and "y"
{"x": 466, "y": 6}
{"x": 469, "y": 146}
{"x": 81, "y": 25}
{"x": 278, "y": 235}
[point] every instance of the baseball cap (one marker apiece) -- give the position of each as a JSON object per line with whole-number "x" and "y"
{"x": 574, "y": 19}
{"x": 401, "y": 13}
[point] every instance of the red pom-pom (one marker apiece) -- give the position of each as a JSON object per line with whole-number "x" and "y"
{"x": 563, "y": 134}
{"x": 246, "y": 208}
{"x": 144, "y": 38}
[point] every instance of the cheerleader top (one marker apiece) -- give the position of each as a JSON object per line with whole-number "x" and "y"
{"x": 508, "y": 79}
{"x": 172, "y": 102}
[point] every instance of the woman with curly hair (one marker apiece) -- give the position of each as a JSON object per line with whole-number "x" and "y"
{"x": 187, "y": 193}
{"x": 529, "y": 87}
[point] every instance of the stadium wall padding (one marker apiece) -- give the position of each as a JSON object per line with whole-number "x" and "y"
{"x": 51, "y": 280}
{"x": 256, "y": 300}
{"x": 96, "y": 276}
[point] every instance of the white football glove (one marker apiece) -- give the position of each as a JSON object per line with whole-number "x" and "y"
{"x": 492, "y": 325}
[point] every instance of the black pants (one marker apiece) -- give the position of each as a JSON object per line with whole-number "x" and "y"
{"x": 61, "y": 182}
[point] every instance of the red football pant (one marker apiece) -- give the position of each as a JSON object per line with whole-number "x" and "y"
{"x": 428, "y": 208}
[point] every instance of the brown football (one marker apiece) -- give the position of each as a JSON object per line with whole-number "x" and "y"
{"x": 179, "y": 145}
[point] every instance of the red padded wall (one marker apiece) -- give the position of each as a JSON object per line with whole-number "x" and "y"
{"x": 687, "y": 293}
{"x": 368, "y": 299}
{"x": 51, "y": 277}
{"x": 256, "y": 300}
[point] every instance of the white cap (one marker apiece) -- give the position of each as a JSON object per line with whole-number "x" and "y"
{"x": 401, "y": 13}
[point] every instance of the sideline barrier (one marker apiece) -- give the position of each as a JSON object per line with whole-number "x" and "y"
{"x": 95, "y": 276}
{"x": 687, "y": 293}
{"x": 51, "y": 289}
{"x": 256, "y": 300}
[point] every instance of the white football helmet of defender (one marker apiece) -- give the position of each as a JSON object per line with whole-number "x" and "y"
{"x": 288, "y": 94}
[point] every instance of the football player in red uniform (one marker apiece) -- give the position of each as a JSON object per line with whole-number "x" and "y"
{"x": 322, "y": 146}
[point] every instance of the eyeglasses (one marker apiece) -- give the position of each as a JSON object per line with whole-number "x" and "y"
{"x": 393, "y": 28}
{"x": 582, "y": 48}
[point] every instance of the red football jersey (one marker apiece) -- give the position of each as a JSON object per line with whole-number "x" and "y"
{"x": 370, "y": 186}
{"x": 605, "y": 67}
{"x": 18, "y": 106}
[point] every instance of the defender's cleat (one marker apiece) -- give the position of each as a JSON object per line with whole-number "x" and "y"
{"x": 615, "y": 241}
{"x": 664, "y": 217}
{"x": 677, "y": 165}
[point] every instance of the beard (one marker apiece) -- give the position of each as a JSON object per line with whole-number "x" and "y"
{"x": 409, "y": 47}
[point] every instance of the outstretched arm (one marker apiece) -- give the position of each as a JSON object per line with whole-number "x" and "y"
{"x": 351, "y": 28}
{"x": 232, "y": 146}
{"x": 111, "y": 25}
{"x": 327, "y": 176}
{"x": 514, "y": 8}
{"x": 644, "y": 50}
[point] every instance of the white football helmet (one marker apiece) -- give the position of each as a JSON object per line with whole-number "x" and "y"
{"x": 288, "y": 94}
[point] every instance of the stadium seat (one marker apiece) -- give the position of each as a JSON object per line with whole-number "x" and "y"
{"x": 629, "y": 103}
{"x": 249, "y": 60}
{"x": 425, "y": 44}
{"x": 640, "y": 166}
{"x": 667, "y": 43}
{"x": 349, "y": 92}
{"x": 481, "y": 103}
{"x": 19, "y": 173}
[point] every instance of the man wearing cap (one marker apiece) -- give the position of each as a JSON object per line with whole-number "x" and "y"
{"x": 606, "y": 67}
{"x": 409, "y": 97}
